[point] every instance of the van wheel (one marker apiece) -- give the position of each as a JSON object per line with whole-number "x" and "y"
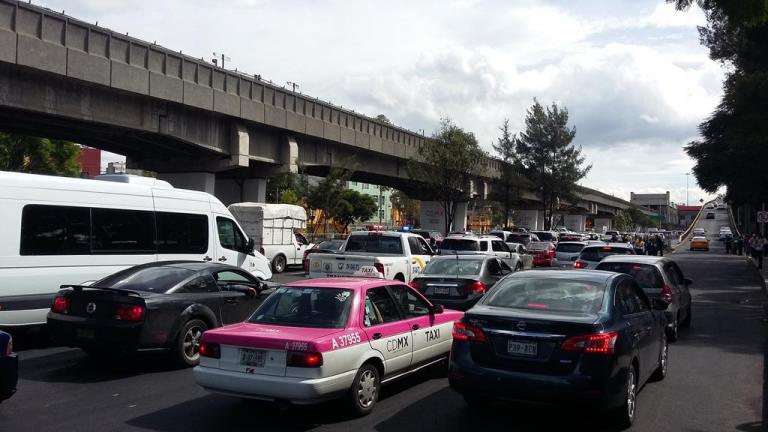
{"x": 365, "y": 389}
{"x": 187, "y": 350}
{"x": 278, "y": 264}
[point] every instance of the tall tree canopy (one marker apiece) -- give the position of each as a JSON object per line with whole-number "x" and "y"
{"x": 352, "y": 206}
{"x": 549, "y": 158}
{"x": 38, "y": 155}
{"x": 445, "y": 164}
{"x": 733, "y": 148}
{"x": 508, "y": 190}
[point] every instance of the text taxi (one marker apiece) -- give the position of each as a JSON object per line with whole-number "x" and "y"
{"x": 324, "y": 338}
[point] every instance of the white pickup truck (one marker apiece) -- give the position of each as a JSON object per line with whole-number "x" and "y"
{"x": 394, "y": 255}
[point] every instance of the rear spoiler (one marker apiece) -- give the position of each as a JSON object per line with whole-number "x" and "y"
{"x": 80, "y": 288}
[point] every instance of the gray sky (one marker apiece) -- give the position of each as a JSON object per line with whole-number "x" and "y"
{"x": 631, "y": 72}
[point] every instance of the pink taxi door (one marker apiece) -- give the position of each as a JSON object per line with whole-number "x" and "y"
{"x": 387, "y": 330}
{"x": 431, "y": 333}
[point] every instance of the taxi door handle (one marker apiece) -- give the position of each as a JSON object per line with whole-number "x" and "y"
{"x": 415, "y": 327}
{"x": 223, "y": 258}
{"x": 377, "y": 336}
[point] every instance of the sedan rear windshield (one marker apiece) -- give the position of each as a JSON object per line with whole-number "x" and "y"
{"x": 375, "y": 243}
{"x": 538, "y": 246}
{"x": 569, "y": 247}
{"x": 518, "y": 238}
{"x": 550, "y": 294}
{"x": 460, "y": 245}
{"x": 305, "y": 307}
{"x": 600, "y": 252}
{"x": 544, "y": 235}
{"x": 461, "y": 267}
{"x": 151, "y": 279}
{"x": 646, "y": 275}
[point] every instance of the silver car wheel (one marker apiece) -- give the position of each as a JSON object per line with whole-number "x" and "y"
{"x": 366, "y": 389}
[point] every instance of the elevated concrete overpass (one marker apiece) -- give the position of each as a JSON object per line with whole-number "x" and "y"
{"x": 197, "y": 125}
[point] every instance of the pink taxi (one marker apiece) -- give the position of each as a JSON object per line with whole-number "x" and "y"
{"x": 324, "y": 338}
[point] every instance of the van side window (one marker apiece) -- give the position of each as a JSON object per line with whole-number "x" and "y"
{"x": 123, "y": 231}
{"x": 55, "y": 230}
{"x": 230, "y": 236}
{"x": 182, "y": 233}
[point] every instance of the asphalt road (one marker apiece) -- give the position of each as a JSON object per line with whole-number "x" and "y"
{"x": 715, "y": 382}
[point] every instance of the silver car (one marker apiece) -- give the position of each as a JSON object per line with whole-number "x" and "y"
{"x": 459, "y": 281}
{"x": 590, "y": 256}
{"x": 658, "y": 277}
{"x": 566, "y": 253}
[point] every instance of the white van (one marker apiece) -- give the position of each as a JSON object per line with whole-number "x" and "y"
{"x": 275, "y": 229}
{"x": 58, "y": 230}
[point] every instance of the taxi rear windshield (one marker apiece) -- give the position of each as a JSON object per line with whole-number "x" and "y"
{"x": 305, "y": 307}
{"x": 374, "y": 243}
{"x": 553, "y": 294}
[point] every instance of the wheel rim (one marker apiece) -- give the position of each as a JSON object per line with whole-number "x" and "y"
{"x": 279, "y": 264}
{"x": 366, "y": 389}
{"x": 631, "y": 388}
{"x": 192, "y": 343}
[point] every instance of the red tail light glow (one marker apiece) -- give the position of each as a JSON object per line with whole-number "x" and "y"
{"x": 598, "y": 343}
{"x": 60, "y": 305}
{"x": 666, "y": 294}
{"x": 476, "y": 287}
{"x": 467, "y": 332}
{"x": 304, "y": 359}
{"x": 579, "y": 264}
{"x": 210, "y": 350}
{"x": 129, "y": 312}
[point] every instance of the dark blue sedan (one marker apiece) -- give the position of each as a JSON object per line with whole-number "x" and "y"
{"x": 572, "y": 337}
{"x": 9, "y": 367}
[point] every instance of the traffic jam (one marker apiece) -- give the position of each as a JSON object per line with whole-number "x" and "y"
{"x": 375, "y": 308}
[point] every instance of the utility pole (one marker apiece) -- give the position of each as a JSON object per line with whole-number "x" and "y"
{"x": 223, "y": 58}
{"x": 293, "y": 85}
{"x": 686, "y": 188}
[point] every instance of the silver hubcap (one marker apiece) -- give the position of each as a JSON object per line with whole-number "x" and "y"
{"x": 192, "y": 343}
{"x": 279, "y": 264}
{"x": 631, "y": 387}
{"x": 366, "y": 389}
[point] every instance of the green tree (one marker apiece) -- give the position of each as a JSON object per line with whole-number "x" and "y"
{"x": 507, "y": 191}
{"x": 38, "y": 155}
{"x": 328, "y": 192}
{"x": 549, "y": 158}
{"x": 408, "y": 207}
{"x": 732, "y": 150}
{"x": 295, "y": 187}
{"x": 444, "y": 166}
{"x": 353, "y": 206}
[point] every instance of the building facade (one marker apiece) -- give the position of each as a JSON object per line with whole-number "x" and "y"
{"x": 659, "y": 204}
{"x": 381, "y": 195}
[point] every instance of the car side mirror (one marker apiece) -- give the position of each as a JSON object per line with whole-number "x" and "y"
{"x": 250, "y": 246}
{"x": 659, "y": 304}
{"x": 688, "y": 281}
{"x": 436, "y": 309}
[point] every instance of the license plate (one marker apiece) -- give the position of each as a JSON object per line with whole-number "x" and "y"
{"x": 527, "y": 349}
{"x": 85, "y": 333}
{"x": 250, "y": 357}
{"x": 441, "y": 290}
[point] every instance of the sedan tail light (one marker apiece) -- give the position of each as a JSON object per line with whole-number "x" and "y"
{"x": 467, "y": 332}
{"x": 129, "y": 312}
{"x": 598, "y": 343}
{"x": 579, "y": 264}
{"x": 304, "y": 359}
{"x": 60, "y": 304}
{"x": 210, "y": 350}
{"x": 476, "y": 287}
{"x": 550, "y": 254}
{"x": 666, "y": 294}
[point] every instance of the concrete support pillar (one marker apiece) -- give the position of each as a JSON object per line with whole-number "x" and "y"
{"x": 533, "y": 219}
{"x": 290, "y": 154}
{"x": 576, "y": 222}
{"x": 200, "y": 181}
{"x": 240, "y": 146}
{"x": 433, "y": 217}
{"x": 230, "y": 191}
{"x": 602, "y": 224}
{"x": 460, "y": 217}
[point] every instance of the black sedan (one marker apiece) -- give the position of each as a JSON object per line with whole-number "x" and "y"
{"x": 570, "y": 337}
{"x": 157, "y": 306}
{"x": 459, "y": 281}
{"x": 9, "y": 367}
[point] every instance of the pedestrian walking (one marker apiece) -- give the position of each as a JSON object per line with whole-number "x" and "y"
{"x": 740, "y": 245}
{"x": 751, "y": 246}
{"x": 759, "y": 250}
{"x": 728, "y": 244}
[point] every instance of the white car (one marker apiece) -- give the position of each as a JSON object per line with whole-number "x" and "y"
{"x": 699, "y": 232}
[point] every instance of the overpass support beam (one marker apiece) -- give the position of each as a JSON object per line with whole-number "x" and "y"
{"x": 433, "y": 216}
{"x": 231, "y": 191}
{"x": 200, "y": 181}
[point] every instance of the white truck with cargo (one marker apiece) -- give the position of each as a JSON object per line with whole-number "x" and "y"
{"x": 276, "y": 230}
{"x": 393, "y": 255}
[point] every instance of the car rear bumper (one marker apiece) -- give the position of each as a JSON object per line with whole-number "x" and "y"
{"x": 543, "y": 262}
{"x": 84, "y": 333}
{"x": 601, "y": 390}
{"x": 9, "y": 375}
{"x": 268, "y": 387}
{"x": 458, "y": 304}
